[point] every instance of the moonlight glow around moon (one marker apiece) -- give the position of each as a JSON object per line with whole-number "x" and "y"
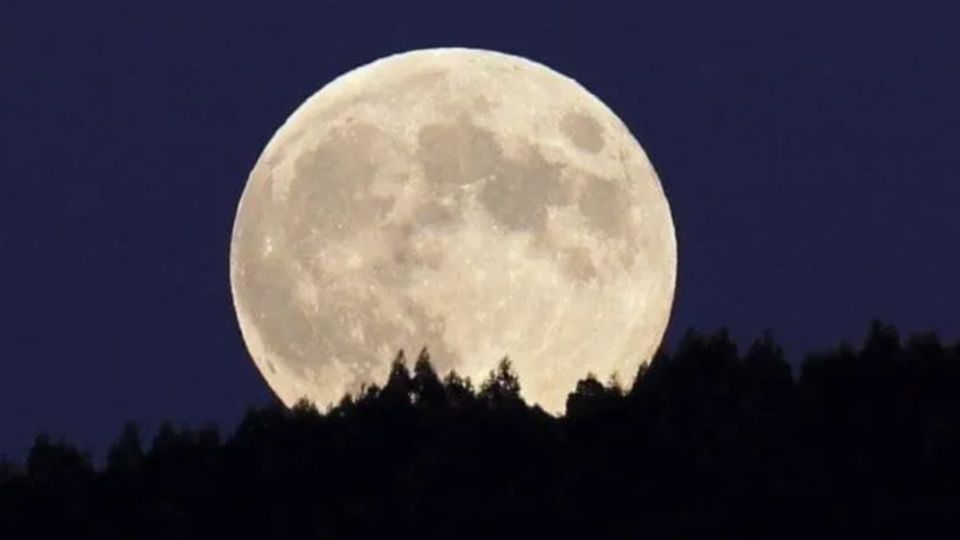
{"x": 473, "y": 202}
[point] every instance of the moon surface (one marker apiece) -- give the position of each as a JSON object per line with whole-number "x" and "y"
{"x": 474, "y": 202}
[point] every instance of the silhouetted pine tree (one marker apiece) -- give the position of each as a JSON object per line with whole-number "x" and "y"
{"x": 501, "y": 389}
{"x": 399, "y": 387}
{"x": 428, "y": 391}
{"x": 459, "y": 390}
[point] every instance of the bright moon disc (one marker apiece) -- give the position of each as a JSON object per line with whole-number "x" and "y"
{"x": 477, "y": 203}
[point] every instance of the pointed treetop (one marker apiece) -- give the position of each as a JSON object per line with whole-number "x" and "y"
{"x": 502, "y": 383}
{"x": 399, "y": 383}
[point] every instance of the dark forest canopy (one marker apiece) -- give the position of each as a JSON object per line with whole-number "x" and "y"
{"x": 708, "y": 440}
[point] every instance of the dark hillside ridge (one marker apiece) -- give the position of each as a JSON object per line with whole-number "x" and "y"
{"x": 709, "y": 442}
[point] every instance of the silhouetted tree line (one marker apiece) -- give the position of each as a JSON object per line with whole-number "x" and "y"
{"x": 709, "y": 440}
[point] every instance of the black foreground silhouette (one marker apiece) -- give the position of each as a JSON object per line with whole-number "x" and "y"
{"x": 708, "y": 442}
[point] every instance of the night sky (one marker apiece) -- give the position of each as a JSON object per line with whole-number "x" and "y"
{"x": 809, "y": 151}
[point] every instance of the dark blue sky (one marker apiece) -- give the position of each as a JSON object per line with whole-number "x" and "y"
{"x": 810, "y": 151}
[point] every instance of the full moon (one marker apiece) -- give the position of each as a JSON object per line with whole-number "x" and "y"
{"x": 473, "y": 202}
